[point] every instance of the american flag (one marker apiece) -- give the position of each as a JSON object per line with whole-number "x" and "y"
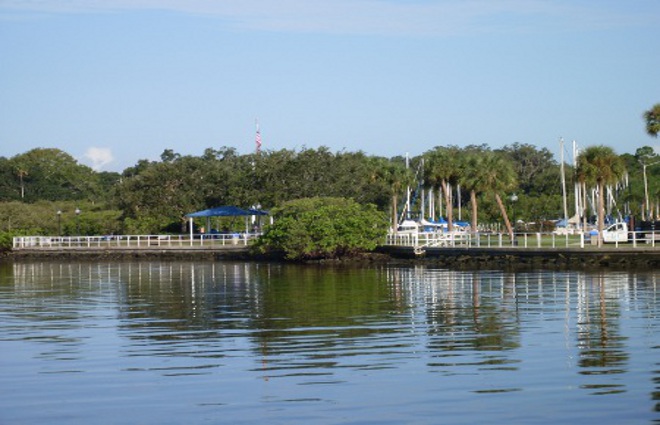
{"x": 258, "y": 139}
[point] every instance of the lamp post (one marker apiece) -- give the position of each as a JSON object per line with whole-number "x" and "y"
{"x": 513, "y": 199}
{"x": 59, "y": 222}
{"x": 77, "y": 221}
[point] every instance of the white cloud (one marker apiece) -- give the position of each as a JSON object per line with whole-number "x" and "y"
{"x": 99, "y": 157}
{"x": 391, "y": 17}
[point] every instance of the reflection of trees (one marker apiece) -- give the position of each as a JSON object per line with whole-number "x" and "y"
{"x": 297, "y": 318}
{"x": 53, "y": 305}
{"x": 166, "y": 299}
{"x": 187, "y": 299}
{"x": 492, "y": 321}
{"x": 315, "y": 316}
{"x": 316, "y": 296}
{"x": 463, "y": 319}
{"x": 602, "y": 349}
{"x": 656, "y": 393}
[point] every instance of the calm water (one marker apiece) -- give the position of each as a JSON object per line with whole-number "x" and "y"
{"x": 200, "y": 342}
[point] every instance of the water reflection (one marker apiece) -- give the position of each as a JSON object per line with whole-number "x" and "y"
{"x": 430, "y": 334}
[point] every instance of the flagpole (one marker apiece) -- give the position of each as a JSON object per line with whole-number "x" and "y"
{"x": 257, "y": 139}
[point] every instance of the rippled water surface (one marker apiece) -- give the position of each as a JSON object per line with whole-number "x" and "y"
{"x": 242, "y": 343}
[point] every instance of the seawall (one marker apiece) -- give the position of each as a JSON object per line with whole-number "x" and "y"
{"x": 619, "y": 258}
{"x": 147, "y": 253}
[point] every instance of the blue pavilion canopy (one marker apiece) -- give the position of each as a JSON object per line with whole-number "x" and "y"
{"x": 226, "y": 211}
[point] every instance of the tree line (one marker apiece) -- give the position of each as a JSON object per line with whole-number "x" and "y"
{"x": 41, "y": 189}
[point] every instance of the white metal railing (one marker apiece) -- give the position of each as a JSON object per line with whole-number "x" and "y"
{"x": 418, "y": 240}
{"x": 422, "y": 240}
{"x": 132, "y": 241}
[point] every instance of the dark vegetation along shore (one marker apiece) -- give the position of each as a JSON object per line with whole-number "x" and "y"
{"x": 589, "y": 258}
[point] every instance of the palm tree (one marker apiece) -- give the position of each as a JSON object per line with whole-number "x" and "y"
{"x": 396, "y": 177}
{"x": 501, "y": 177}
{"x": 442, "y": 171}
{"x": 601, "y": 166}
{"x": 646, "y": 157}
{"x": 472, "y": 180}
{"x": 21, "y": 172}
{"x": 652, "y": 117}
{"x": 489, "y": 172}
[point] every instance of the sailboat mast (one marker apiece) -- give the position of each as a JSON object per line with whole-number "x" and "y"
{"x": 578, "y": 195}
{"x": 563, "y": 179}
{"x": 407, "y": 190}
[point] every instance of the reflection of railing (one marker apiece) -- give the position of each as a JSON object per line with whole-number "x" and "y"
{"x": 133, "y": 241}
{"x": 423, "y": 240}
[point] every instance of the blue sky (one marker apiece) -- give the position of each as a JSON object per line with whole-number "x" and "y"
{"x": 114, "y": 81}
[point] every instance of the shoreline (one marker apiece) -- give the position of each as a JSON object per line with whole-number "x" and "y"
{"x": 604, "y": 258}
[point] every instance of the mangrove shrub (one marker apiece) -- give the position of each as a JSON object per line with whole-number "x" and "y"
{"x": 324, "y": 228}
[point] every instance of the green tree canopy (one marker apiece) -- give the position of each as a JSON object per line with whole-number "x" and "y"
{"x": 320, "y": 228}
{"x": 536, "y": 169}
{"x": 154, "y": 196}
{"x": 160, "y": 194}
{"x": 442, "y": 169}
{"x": 652, "y": 118}
{"x": 600, "y": 166}
{"x": 490, "y": 173}
{"x": 52, "y": 175}
{"x": 395, "y": 178}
